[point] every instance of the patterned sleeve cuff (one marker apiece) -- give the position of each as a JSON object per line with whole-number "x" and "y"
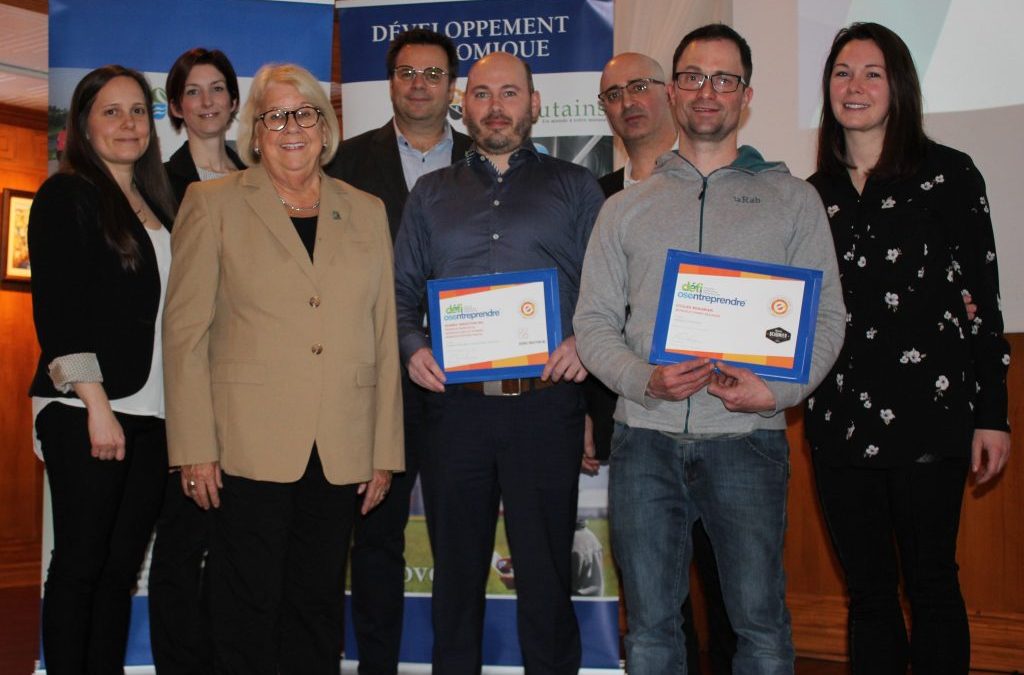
{"x": 71, "y": 368}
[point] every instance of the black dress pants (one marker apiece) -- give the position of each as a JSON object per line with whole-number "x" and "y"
{"x": 179, "y": 613}
{"x": 103, "y": 515}
{"x": 913, "y": 511}
{"x": 524, "y": 451}
{"x": 378, "y": 554}
{"x": 277, "y": 574}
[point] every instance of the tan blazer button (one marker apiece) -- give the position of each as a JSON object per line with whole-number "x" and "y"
{"x": 314, "y": 301}
{"x": 317, "y": 348}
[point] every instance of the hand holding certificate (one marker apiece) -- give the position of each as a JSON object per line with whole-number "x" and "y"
{"x": 494, "y": 326}
{"x": 752, "y": 314}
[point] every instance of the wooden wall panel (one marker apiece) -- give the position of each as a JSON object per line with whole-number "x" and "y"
{"x": 990, "y": 553}
{"x": 22, "y": 167}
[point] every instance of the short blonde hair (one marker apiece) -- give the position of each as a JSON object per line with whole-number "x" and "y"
{"x": 308, "y": 88}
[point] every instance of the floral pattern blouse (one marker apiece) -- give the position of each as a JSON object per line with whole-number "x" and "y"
{"x": 915, "y": 376}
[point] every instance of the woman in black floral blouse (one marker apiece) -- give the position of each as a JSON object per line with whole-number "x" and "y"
{"x": 917, "y": 397}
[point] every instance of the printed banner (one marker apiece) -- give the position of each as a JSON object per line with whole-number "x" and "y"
{"x": 595, "y": 590}
{"x": 86, "y": 34}
{"x": 565, "y": 42}
{"x": 148, "y": 37}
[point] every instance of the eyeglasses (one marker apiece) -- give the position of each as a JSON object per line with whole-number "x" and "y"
{"x": 431, "y": 75}
{"x": 637, "y": 87}
{"x": 277, "y": 119}
{"x": 723, "y": 83}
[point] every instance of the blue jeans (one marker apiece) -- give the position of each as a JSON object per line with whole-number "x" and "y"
{"x": 737, "y": 485}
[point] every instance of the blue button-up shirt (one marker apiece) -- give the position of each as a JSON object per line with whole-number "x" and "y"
{"x": 469, "y": 219}
{"x": 416, "y": 163}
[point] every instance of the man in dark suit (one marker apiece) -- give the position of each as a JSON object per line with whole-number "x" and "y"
{"x": 422, "y": 68}
{"x": 635, "y": 100}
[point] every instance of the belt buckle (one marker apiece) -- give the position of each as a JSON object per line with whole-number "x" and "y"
{"x": 497, "y": 387}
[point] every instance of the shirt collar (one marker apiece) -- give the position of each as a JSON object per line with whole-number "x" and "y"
{"x": 526, "y": 149}
{"x": 447, "y": 138}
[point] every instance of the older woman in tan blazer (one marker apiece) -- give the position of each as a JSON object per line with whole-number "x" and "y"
{"x": 282, "y": 377}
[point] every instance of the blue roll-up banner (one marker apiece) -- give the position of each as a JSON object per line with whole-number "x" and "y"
{"x": 86, "y": 34}
{"x": 566, "y": 43}
{"x": 149, "y": 36}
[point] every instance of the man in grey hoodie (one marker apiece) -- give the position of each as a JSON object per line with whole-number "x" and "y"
{"x": 700, "y": 439}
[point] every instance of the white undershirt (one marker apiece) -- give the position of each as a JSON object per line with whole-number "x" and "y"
{"x": 149, "y": 400}
{"x": 627, "y": 176}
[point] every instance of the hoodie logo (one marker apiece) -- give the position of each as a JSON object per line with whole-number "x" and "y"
{"x": 744, "y": 199}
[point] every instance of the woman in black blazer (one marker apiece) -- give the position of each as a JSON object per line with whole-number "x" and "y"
{"x": 202, "y": 93}
{"x": 100, "y": 248}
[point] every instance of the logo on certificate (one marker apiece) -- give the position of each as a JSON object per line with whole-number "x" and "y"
{"x": 778, "y": 335}
{"x": 528, "y": 309}
{"x": 779, "y": 307}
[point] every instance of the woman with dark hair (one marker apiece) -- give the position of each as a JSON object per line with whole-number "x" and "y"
{"x": 100, "y": 247}
{"x": 202, "y": 94}
{"x": 917, "y": 398}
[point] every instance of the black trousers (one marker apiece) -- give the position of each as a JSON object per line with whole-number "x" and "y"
{"x": 179, "y": 613}
{"x": 103, "y": 515}
{"x": 378, "y": 554}
{"x": 277, "y": 574}
{"x": 912, "y": 511}
{"x": 524, "y": 451}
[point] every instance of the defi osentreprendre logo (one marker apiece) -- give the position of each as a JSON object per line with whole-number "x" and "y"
{"x": 692, "y": 290}
{"x": 460, "y": 312}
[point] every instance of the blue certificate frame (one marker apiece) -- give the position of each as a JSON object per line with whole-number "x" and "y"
{"x": 496, "y": 312}
{"x": 700, "y": 304}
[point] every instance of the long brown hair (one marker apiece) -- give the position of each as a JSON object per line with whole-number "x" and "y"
{"x": 116, "y": 216}
{"x": 905, "y": 141}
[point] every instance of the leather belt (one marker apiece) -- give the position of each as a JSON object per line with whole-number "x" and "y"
{"x": 515, "y": 387}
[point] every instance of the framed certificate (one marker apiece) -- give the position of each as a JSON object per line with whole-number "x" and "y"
{"x": 748, "y": 313}
{"x": 494, "y": 326}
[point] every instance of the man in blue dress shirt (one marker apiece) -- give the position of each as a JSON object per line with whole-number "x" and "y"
{"x": 505, "y": 207}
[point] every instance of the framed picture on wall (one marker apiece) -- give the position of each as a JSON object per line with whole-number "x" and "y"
{"x": 14, "y": 235}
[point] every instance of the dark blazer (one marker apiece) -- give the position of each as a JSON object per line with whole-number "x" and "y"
{"x": 83, "y": 300}
{"x": 182, "y": 172}
{"x": 612, "y": 182}
{"x": 600, "y": 399}
{"x": 370, "y": 162}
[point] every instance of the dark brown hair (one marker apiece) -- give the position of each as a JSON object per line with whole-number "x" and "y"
{"x": 179, "y": 73}
{"x": 905, "y": 141}
{"x": 422, "y": 36}
{"x": 116, "y": 216}
{"x": 717, "y": 31}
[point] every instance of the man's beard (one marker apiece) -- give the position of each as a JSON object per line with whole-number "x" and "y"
{"x": 499, "y": 142}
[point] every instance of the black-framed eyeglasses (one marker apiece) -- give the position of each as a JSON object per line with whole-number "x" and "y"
{"x": 432, "y": 75}
{"x": 637, "y": 87}
{"x": 723, "y": 83}
{"x": 277, "y": 119}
